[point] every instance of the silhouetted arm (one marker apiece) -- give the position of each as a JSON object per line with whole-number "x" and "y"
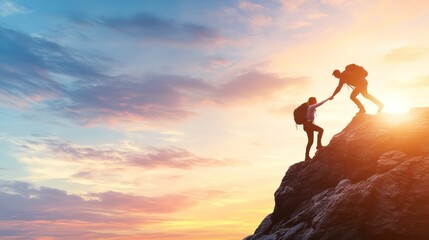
{"x": 317, "y": 104}
{"x": 340, "y": 85}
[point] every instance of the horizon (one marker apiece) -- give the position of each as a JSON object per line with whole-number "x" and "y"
{"x": 169, "y": 119}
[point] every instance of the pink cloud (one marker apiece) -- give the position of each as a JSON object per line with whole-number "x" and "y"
{"x": 23, "y": 201}
{"x": 256, "y": 86}
{"x": 214, "y": 62}
{"x": 160, "y": 98}
{"x": 259, "y": 21}
{"x": 136, "y": 156}
{"x": 155, "y": 97}
{"x": 292, "y": 5}
{"x": 333, "y": 2}
{"x": 30, "y": 212}
{"x": 127, "y": 202}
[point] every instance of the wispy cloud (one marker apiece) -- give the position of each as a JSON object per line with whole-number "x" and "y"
{"x": 333, "y": 2}
{"x": 151, "y": 27}
{"x": 8, "y": 7}
{"x": 256, "y": 86}
{"x": 250, "y": 6}
{"x": 293, "y": 5}
{"x": 79, "y": 86}
{"x": 165, "y": 98}
{"x": 260, "y": 20}
{"x": 119, "y": 156}
{"x": 155, "y": 97}
{"x": 406, "y": 54}
{"x": 28, "y": 65}
{"x": 24, "y": 201}
{"x": 27, "y": 209}
{"x": 422, "y": 82}
{"x": 302, "y": 14}
{"x": 416, "y": 84}
{"x": 214, "y": 62}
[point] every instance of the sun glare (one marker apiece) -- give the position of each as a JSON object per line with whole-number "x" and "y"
{"x": 396, "y": 107}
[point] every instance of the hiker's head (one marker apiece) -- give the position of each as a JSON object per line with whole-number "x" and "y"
{"x": 336, "y": 73}
{"x": 312, "y": 100}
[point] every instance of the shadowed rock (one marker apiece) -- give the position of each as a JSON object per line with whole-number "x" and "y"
{"x": 371, "y": 183}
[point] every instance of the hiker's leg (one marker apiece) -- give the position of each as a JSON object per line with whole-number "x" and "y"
{"x": 365, "y": 93}
{"x": 319, "y": 135}
{"x": 310, "y": 137}
{"x": 355, "y": 92}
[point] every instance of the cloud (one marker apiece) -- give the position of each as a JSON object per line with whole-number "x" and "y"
{"x": 127, "y": 202}
{"x": 147, "y": 26}
{"x": 155, "y": 97}
{"x": 418, "y": 83}
{"x": 422, "y": 82}
{"x": 80, "y": 87}
{"x": 298, "y": 5}
{"x": 124, "y": 156}
{"x": 316, "y": 15}
{"x": 24, "y": 201}
{"x": 8, "y": 7}
{"x": 405, "y": 54}
{"x": 214, "y": 62}
{"x": 300, "y": 24}
{"x": 250, "y": 6}
{"x": 300, "y": 14}
{"x": 28, "y": 211}
{"x": 333, "y": 2}
{"x": 164, "y": 98}
{"x": 292, "y": 5}
{"x": 256, "y": 86}
{"x": 259, "y": 21}
{"x": 28, "y": 65}
{"x": 39, "y": 56}
{"x": 79, "y": 18}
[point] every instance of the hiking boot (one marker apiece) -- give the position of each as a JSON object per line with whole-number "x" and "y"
{"x": 380, "y": 108}
{"x": 319, "y": 146}
{"x": 307, "y": 158}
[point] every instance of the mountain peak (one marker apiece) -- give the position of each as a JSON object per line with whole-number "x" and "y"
{"x": 370, "y": 182}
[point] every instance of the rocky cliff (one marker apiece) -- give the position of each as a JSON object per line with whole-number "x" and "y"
{"x": 371, "y": 183}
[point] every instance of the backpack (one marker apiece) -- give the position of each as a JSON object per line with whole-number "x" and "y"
{"x": 356, "y": 71}
{"x": 300, "y": 113}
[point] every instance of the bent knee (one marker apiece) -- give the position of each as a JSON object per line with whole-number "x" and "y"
{"x": 353, "y": 97}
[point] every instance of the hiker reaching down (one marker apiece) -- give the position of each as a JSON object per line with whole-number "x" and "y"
{"x": 310, "y": 127}
{"x": 355, "y": 76}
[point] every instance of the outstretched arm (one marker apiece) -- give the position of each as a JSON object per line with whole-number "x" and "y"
{"x": 318, "y": 104}
{"x": 340, "y": 85}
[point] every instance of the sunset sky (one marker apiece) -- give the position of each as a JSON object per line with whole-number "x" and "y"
{"x": 172, "y": 119}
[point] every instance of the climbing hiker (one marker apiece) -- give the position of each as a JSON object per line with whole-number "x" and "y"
{"x": 310, "y": 127}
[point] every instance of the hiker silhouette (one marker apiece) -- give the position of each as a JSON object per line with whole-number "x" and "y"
{"x": 310, "y": 127}
{"x": 355, "y": 76}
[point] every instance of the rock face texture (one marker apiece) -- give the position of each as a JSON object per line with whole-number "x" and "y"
{"x": 370, "y": 183}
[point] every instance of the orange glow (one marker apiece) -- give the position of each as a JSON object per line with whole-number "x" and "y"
{"x": 396, "y": 106}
